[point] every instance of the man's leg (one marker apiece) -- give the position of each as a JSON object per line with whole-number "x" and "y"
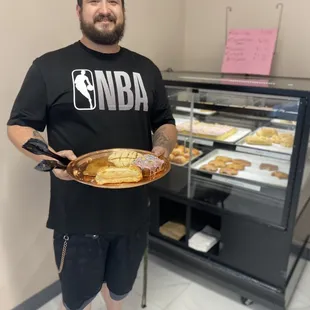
{"x": 110, "y": 303}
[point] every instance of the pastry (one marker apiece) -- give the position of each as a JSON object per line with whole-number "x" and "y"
{"x": 123, "y": 158}
{"x": 180, "y": 160}
{"x": 256, "y": 140}
{"x": 171, "y": 157}
{"x": 237, "y": 167}
{"x": 209, "y": 168}
{"x": 268, "y": 167}
{"x": 223, "y": 159}
{"x": 267, "y": 132}
{"x": 217, "y": 163}
{"x": 280, "y": 175}
{"x": 242, "y": 162}
{"x": 228, "y": 171}
{"x": 118, "y": 175}
{"x": 149, "y": 164}
{"x": 176, "y": 152}
{"x": 94, "y": 165}
{"x": 181, "y": 148}
{"x": 195, "y": 152}
{"x": 207, "y": 130}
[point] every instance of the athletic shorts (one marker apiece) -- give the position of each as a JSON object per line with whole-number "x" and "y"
{"x": 92, "y": 260}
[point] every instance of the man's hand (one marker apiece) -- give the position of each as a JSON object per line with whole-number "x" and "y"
{"x": 160, "y": 151}
{"x": 63, "y": 174}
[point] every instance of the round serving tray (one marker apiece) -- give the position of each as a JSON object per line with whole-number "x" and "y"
{"x": 77, "y": 167}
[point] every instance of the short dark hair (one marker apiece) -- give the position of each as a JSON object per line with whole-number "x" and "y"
{"x": 80, "y": 3}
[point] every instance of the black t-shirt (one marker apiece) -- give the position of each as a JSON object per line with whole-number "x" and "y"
{"x": 91, "y": 101}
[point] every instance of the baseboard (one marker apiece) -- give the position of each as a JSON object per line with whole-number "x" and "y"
{"x": 37, "y": 301}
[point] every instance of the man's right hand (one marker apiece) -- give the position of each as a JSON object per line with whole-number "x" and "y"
{"x": 63, "y": 174}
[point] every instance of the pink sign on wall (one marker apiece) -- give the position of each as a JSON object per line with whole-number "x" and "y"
{"x": 249, "y": 51}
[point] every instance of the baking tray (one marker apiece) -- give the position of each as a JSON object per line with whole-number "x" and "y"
{"x": 250, "y": 173}
{"x": 76, "y": 168}
{"x": 272, "y": 148}
{"x": 196, "y": 111}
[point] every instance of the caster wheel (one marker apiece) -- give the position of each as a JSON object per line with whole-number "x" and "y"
{"x": 246, "y": 301}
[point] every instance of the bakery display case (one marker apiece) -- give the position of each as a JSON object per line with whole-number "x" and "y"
{"x": 239, "y": 183}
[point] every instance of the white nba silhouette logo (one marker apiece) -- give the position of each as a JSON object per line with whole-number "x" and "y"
{"x": 83, "y": 84}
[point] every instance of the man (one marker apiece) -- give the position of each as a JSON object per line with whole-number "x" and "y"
{"x": 99, "y": 235}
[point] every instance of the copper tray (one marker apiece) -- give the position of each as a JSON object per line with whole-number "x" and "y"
{"x": 76, "y": 168}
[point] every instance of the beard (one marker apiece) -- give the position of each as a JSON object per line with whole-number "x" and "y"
{"x": 103, "y": 37}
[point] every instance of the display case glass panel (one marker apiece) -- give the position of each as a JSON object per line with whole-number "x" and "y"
{"x": 235, "y": 147}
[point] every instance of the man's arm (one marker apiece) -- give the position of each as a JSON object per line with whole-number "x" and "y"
{"x": 164, "y": 140}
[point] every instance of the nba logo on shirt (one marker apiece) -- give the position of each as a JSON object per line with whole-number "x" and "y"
{"x": 84, "y": 95}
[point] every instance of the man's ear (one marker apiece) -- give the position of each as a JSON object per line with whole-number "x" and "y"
{"x": 78, "y": 10}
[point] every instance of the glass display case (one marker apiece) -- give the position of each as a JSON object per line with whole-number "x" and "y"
{"x": 240, "y": 172}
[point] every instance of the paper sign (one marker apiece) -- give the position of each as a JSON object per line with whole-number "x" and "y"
{"x": 249, "y": 51}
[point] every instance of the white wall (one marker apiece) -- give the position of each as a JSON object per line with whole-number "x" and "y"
{"x": 28, "y": 29}
{"x": 204, "y": 39}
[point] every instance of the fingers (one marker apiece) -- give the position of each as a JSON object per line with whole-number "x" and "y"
{"x": 62, "y": 175}
{"x": 68, "y": 154}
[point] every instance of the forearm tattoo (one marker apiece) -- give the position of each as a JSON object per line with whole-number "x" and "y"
{"x": 160, "y": 139}
{"x": 37, "y": 135}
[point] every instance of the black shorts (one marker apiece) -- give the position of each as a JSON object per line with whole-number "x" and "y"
{"x": 92, "y": 260}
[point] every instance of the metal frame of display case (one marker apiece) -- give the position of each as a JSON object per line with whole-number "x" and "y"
{"x": 261, "y": 261}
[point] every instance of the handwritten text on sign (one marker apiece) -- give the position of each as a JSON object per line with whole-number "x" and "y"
{"x": 249, "y": 51}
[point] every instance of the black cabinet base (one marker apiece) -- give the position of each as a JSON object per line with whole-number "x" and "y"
{"x": 248, "y": 288}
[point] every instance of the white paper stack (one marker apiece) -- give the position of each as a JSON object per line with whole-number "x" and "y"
{"x": 203, "y": 241}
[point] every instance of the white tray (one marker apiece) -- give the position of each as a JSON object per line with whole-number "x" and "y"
{"x": 272, "y": 148}
{"x": 196, "y": 111}
{"x": 283, "y": 122}
{"x": 250, "y": 173}
{"x": 179, "y": 119}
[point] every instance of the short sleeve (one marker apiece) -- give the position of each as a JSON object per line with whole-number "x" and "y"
{"x": 30, "y": 105}
{"x": 161, "y": 113}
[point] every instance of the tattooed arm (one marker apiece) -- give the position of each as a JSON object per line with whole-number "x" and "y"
{"x": 164, "y": 140}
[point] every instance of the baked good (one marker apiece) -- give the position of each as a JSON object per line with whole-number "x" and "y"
{"x": 267, "y": 132}
{"x": 180, "y": 160}
{"x": 258, "y": 140}
{"x": 176, "y": 152}
{"x": 228, "y": 171}
{"x": 195, "y": 152}
{"x": 286, "y": 139}
{"x": 268, "y": 167}
{"x": 123, "y": 158}
{"x": 149, "y": 164}
{"x": 224, "y": 159}
{"x": 280, "y": 175}
{"x": 237, "y": 167}
{"x": 94, "y": 165}
{"x": 242, "y": 162}
{"x": 207, "y": 130}
{"x": 171, "y": 157}
{"x": 209, "y": 168}
{"x": 217, "y": 163}
{"x": 118, "y": 175}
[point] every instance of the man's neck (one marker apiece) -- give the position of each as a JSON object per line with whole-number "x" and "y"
{"x": 105, "y": 49}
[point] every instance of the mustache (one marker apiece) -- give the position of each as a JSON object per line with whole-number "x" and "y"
{"x": 101, "y": 17}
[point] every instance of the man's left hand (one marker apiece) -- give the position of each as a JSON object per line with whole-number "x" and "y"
{"x": 160, "y": 151}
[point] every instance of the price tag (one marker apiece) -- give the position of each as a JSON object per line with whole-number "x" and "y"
{"x": 237, "y": 183}
{"x": 263, "y": 153}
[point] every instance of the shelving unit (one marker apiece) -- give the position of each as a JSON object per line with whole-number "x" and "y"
{"x": 254, "y": 220}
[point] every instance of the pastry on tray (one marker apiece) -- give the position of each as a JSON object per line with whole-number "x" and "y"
{"x": 209, "y": 168}
{"x": 237, "y": 167}
{"x": 267, "y": 132}
{"x": 94, "y": 165}
{"x": 123, "y": 158}
{"x": 207, "y": 130}
{"x": 280, "y": 175}
{"x": 268, "y": 167}
{"x": 149, "y": 164}
{"x": 242, "y": 162}
{"x": 224, "y": 159}
{"x": 181, "y": 154}
{"x": 118, "y": 175}
{"x": 229, "y": 171}
{"x": 258, "y": 140}
{"x": 217, "y": 163}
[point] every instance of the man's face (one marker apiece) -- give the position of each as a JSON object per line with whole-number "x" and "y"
{"x": 102, "y": 21}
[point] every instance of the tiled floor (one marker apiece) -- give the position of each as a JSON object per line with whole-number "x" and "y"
{"x": 171, "y": 288}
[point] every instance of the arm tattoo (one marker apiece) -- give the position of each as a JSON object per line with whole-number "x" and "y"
{"x": 160, "y": 139}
